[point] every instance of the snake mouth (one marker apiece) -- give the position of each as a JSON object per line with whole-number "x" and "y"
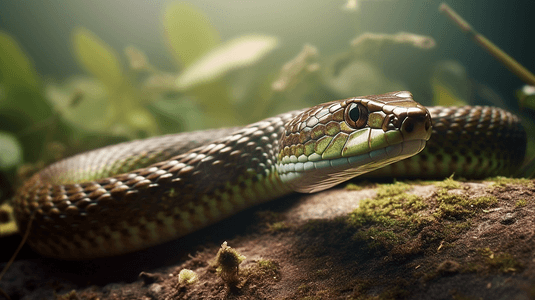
{"x": 314, "y": 176}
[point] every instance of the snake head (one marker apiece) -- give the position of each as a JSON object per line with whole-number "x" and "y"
{"x": 333, "y": 142}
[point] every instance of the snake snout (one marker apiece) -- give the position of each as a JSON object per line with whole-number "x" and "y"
{"x": 416, "y": 128}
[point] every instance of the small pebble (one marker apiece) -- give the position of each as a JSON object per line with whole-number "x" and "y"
{"x": 148, "y": 278}
{"x": 508, "y": 219}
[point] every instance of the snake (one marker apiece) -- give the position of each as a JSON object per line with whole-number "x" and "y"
{"x": 133, "y": 195}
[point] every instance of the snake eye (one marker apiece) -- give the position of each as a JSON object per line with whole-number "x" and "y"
{"x": 356, "y": 115}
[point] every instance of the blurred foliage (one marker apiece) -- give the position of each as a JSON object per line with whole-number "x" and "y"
{"x": 189, "y": 33}
{"x": 450, "y": 84}
{"x": 216, "y": 83}
{"x": 237, "y": 53}
{"x": 526, "y": 95}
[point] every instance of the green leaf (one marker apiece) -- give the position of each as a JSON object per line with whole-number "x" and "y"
{"x": 23, "y": 108}
{"x": 237, "y": 53}
{"x": 85, "y": 104}
{"x": 178, "y": 114}
{"x": 355, "y": 77}
{"x": 450, "y": 84}
{"x": 142, "y": 120}
{"x": 92, "y": 112}
{"x": 10, "y": 151}
{"x": 98, "y": 58}
{"x": 15, "y": 67}
{"x": 189, "y": 32}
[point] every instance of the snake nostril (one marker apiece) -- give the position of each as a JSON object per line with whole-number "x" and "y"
{"x": 409, "y": 126}
{"x": 427, "y": 125}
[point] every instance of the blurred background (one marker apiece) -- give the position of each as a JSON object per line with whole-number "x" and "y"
{"x": 77, "y": 75}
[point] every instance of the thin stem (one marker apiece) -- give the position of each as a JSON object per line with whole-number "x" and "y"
{"x": 509, "y": 62}
{"x": 22, "y": 242}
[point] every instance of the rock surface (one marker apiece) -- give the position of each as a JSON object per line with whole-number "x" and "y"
{"x": 415, "y": 240}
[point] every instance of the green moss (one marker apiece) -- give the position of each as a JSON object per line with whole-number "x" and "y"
{"x": 187, "y": 277}
{"x": 521, "y": 203}
{"x": 278, "y": 226}
{"x": 461, "y": 226}
{"x": 459, "y": 207}
{"x": 68, "y": 296}
{"x": 389, "y": 219}
{"x": 360, "y": 185}
{"x": 504, "y": 262}
{"x": 471, "y": 267}
{"x": 8, "y": 226}
{"x": 266, "y": 264}
{"x": 354, "y": 187}
{"x": 486, "y": 252}
{"x": 484, "y": 201}
{"x": 304, "y": 288}
{"x": 401, "y": 225}
{"x": 453, "y": 229}
{"x": 270, "y": 218}
{"x": 265, "y": 269}
{"x": 449, "y": 184}
{"x": 376, "y": 238}
{"x": 500, "y": 181}
{"x": 393, "y": 189}
{"x": 415, "y": 203}
{"x": 227, "y": 262}
{"x": 389, "y": 210}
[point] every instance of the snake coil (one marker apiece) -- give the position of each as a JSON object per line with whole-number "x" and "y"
{"x": 130, "y": 196}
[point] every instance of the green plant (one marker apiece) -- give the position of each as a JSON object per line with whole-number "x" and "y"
{"x": 228, "y": 261}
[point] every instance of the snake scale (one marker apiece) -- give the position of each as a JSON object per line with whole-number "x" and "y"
{"x": 133, "y": 195}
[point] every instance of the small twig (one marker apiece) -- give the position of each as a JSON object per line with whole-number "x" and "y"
{"x": 12, "y": 259}
{"x": 509, "y": 62}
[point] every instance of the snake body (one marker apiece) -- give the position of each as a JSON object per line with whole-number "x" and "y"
{"x": 133, "y": 195}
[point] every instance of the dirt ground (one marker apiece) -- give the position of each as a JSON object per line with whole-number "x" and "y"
{"x": 414, "y": 240}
